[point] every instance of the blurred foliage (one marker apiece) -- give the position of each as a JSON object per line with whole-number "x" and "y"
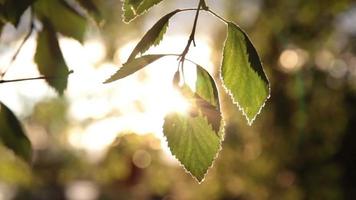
{"x": 301, "y": 147}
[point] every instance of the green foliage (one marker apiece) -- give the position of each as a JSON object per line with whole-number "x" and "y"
{"x": 242, "y": 73}
{"x": 63, "y": 18}
{"x": 49, "y": 58}
{"x": 12, "y": 134}
{"x": 92, "y": 9}
{"x": 153, "y": 36}
{"x": 194, "y": 138}
{"x": 134, "y": 8}
{"x": 192, "y": 141}
{"x": 133, "y": 66}
{"x": 12, "y": 10}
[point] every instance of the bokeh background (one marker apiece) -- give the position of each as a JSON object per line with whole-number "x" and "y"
{"x": 106, "y": 142}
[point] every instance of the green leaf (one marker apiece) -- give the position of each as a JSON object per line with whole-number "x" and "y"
{"x": 134, "y": 8}
{"x": 133, "y": 66}
{"x": 194, "y": 138}
{"x": 63, "y": 18}
{"x": 207, "y": 98}
{"x": 12, "y": 134}
{"x": 12, "y": 10}
{"x": 153, "y": 36}
{"x": 49, "y": 58}
{"x": 193, "y": 142}
{"x": 92, "y": 9}
{"x": 242, "y": 73}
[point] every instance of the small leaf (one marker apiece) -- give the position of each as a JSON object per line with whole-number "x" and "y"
{"x": 153, "y": 36}
{"x": 92, "y": 9}
{"x": 49, "y": 58}
{"x": 12, "y": 10}
{"x": 12, "y": 134}
{"x": 193, "y": 142}
{"x": 133, "y": 66}
{"x": 195, "y": 138}
{"x": 63, "y": 18}
{"x": 134, "y": 8}
{"x": 242, "y": 73}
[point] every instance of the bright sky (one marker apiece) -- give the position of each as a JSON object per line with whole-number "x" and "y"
{"x": 136, "y": 104}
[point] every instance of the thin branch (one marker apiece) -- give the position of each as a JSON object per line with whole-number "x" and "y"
{"x": 192, "y": 34}
{"x": 216, "y": 15}
{"x": 35, "y": 78}
{"x": 29, "y": 33}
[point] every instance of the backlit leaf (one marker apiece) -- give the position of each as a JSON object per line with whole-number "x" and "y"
{"x": 242, "y": 73}
{"x": 49, "y": 58}
{"x": 194, "y": 138}
{"x": 63, "y": 18}
{"x": 134, "y": 8}
{"x": 12, "y": 134}
{"x": 192, "y": 141}
{"x": 153, "y": 36}
{"x": 133, "y": 66}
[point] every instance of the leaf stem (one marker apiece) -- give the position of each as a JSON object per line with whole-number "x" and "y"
{"x": 34, "y": 78}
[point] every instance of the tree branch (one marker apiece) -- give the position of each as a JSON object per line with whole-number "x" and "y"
{"x": 34, "y": 78}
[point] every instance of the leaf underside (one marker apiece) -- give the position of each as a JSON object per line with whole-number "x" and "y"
{"x": 12, "y": 134}
{"x": 133, "y": 8}
{"x": 153, "y": 36}
{"x": 133, "y": 66}
{"x": 242, "y": 73}
{"x": 49, "y": 58}
{"x": 194, "y": 138}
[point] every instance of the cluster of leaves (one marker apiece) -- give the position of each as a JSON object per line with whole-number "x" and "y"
{"x": 56, "y": 17}
{"x": 195, "y": 137}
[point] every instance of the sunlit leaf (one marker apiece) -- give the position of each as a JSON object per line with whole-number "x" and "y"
{"x": 207, "y": 98}
{"x": 192, "y": 141}
{"x": 49, "y": 58}
{"x": 153, "y": 36}
{"x": 92, "y": 9}
{"x": 194, "y": 137}
{"x": 63, "y": 18}
{"x": 134, "y": 8}
{"x": 12, "y": 10}
{"x": 133, "y": 66}
{"x": 242, "y": 73}
{"x": 12, "y": 134}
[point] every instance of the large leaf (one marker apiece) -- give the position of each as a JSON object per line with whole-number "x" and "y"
{"x": 242, "y": 73}
{"x": 194, "y": 138}
{"x": 49, "y": 58}
{"x": 192, "y": 141}
{"x": 134, "y": 8}
{"x": 153, "y": 36}
{"x": 12, "y": 134}
{"x": 63, "y": 18}
{"x": 133, "y": 66}
{"x": 12, "y": 10}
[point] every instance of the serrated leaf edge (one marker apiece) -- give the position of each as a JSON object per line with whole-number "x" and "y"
{"x": 216, "y": 154}
{"x": 249, "y": 121}
{"x": 136, "y": 15}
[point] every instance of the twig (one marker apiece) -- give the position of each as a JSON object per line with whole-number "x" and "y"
{"x": 35, "y": 78}
{"x": 29, "y": 33}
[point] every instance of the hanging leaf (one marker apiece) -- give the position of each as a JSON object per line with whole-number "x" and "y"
{"x": 133, "y": 66}
{"x": 134, "y": 8}
{"x": 49, "y": 58}
{"x": 12, "y": 10}
{"x": 92, "y": 9}
{"x": 63, "y": 18}
{"x": 153, "y": 36}
{"x": 242, "y": 73}
{"x": 12, "y": 134}
{"x": 194, "y": 138}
